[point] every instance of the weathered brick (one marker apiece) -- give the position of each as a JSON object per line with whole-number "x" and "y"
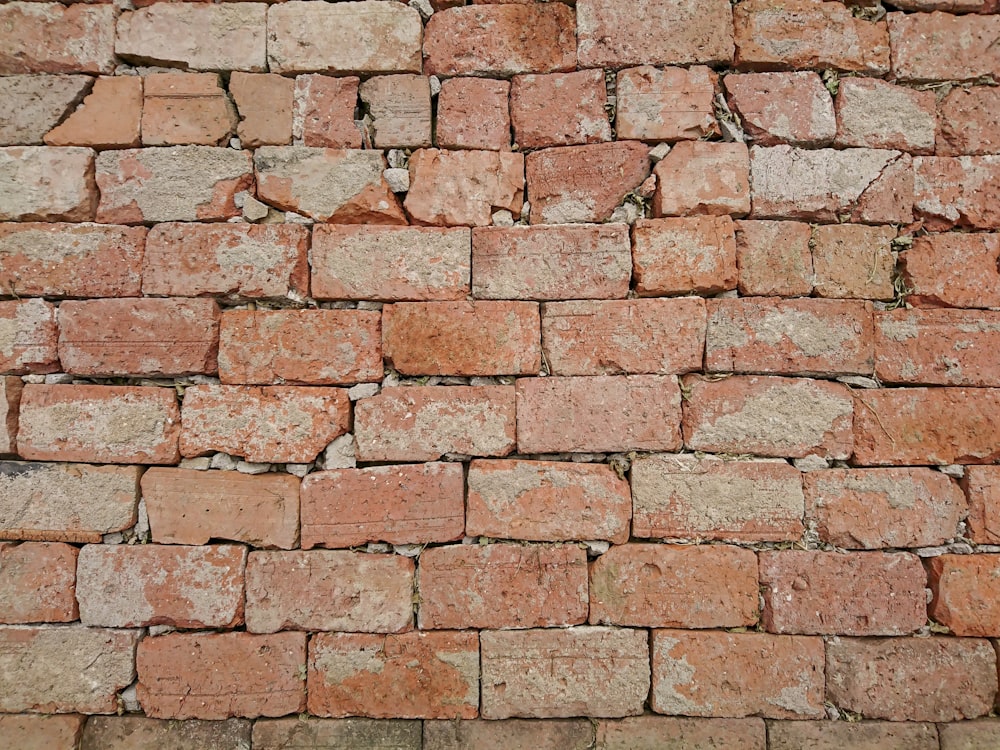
{"x": 953, "y": 270}
{"x": 10, "y": 405}
{"x": 37, "y": 583}
{"x": 264, "y": 102}
{"x": 904, "y": 426}
{"x": 598, "y": 414}
{"x": 99, "y": 423}
{"x": 135, "y": 732}
{"x": 473, "y": 113}
{"x": 567, "y": 734}
{"x": 110, "y": 116}
{"x": 775, "y": 108}
{"x": 559, "y": 109}
{"x": 669, "y": 104}
{"x": 912, "y": 679}
{"x": 876, "y": 508}
{"x": 699, "y": 177}
{"x": 650, "y": 732}
{"x": 28, "y": 332}
{"x": 42, "y": 731}
{"x": 51, "y": 38}
{"x": 774, "y": 258}
{"x": 769, "y": 416}
{"x": 285, "y": 734}
{"x": 979, "y": 734}
{"x": 399, "y": 504}
{"x": 982, "y": 488}
{"x": 602, "y": 672}
{"x": 853, "y": 261}
{"x": 237, "y": 261}
{"x": 966, "y": 593}
{"x": 684, "y": 255}
{"x": 422, "y": 423}
{"x": 969, "y": 121}
{"x": 328, "y": 590}
{"x": 390, "y": 263}
{"x": 684, "y": 496}
{"x": 36, "y": 104}
{"x": 547, "y": 501}
{"x": 952, "y": 6}
{"x": 844, "y": 735}
{"x": 943, "y": 47}
{"x": 324, "y": 111}
{"x": 956, "y": 191}
{"x": 220, "y": 675}
{"x": 46, "y": 184}
{"x": 186, "y": 108}
{"x": 263, "y": 423}
{"x": 876, "y": 114}
{"x": 657, "y": 585}
{"x": 405, "y": 676}
{"x": 400, "y": 108}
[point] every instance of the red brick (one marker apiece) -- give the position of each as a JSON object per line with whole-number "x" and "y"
{"x": 982, "y": 488}
{"x": 774, "y": 258}
{"x": 969, "y": 121}
{"x": 473, "y": 113}
{"x": 776, "y": 108}
{"x": 36, "y": 103}
{"x": 503, "y": 586}
{"x": 952, "y": 6}
{"x": 109, "y": 117}
{"x": 559, "y": 109}
{"x": 853, "y": 261}
{"x": 966, "y": 593}
{"x": 598, "y": 672}
{"x": 684, "y": 496}
{"x": 422, "y": 423}
{"x": 390, "y": 263}
{"x": 574, "y": 184}
{"x": 876, "y": 508}
{"x": 219, "y": 675}
{"x": 99, "y": 423}
{"x": 135, "y": 732}
{"x": 181, "y": 108}
{"x": 37, "y": 583}
{"x": 715, "y": 673}
{"x": 876, "y": 114}
{"x": 912, "y": 679}
{"x": 902, "y": 426}
{"x": 462, "y": 338}
{"x": 125, "y": 586}
{"x": 956, "y": 191}
{"x": 400, "y": 108}
{"x": 264, "y": 102}
{"x": 657, "y": 585}
{"x": 282, "y": 424}
{"x": 671, "y": 104}
{"x": 47, "y": 184}
{"x": 10, "y": 404}
{"x": 943, "y": 47}
{"x": 768, "y": 416}
{"x": 324, "y": 111}
{"x": 598, "y": 414}
{"x": 327, "y": 590}
{"x": 551, "y": 262}
{"x": 28, "y": 333}
{"x": 51, "y": 38}
{"x": 953, "y": 270}
{"x": 685, "y": 255}
{"x": 41, "y": 732}
{"x": 547, "y": 501}
{"x": 698, "y": 177}
{"x": 313, "y": 347}
{"x": 808, "y": 34}
{"x": 980, "y": 734}
{"x": 667, "y": 32}
{"x": 649, "y": 732}
{"x": 851, "y": 735}
{"x": 566, "y": 734}
{"x": 236, "y": 261}
{"x": 500, "y": 40}
{"x": 655, "y": 336}
{"x": 417, "y": 504}
{"x": 64, "y": 502}
{"x": 284, "y": 734}
{"x": 406, "y": 676}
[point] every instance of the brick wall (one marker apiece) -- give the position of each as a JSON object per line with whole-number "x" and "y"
{"x": 610, "y": 374}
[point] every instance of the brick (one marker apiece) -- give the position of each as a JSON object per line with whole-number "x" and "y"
{"x": 462, "y": 338}
{"x": 790, "y": 337}
{"x": 41, "y": 731}
{"x": 715, "y": 673}
{"x": 28, "y": 334}
{"x": 10, "y": 405}
{"x": 37, "y": 583}
{"x": 843, "y": 735}
{"x": 853, "y": 261}
{"x": 876, "y": 508}
{"x": 911, "y": 679}
{"x": 362, "y": 38}
{"x": 969, "y": 122}
{"x": 741, "y": 414}
{"x": 186, "y": 108}
{"x": 285, "y": 734}
{"x": 579, "y": 184}
{"x": 221, "y": 675}
{"x": 473, "y": 113}
{"x": 876, "y": 114}
{"x": 36, "y": 104}
{"x": 903, "y": 426}
{"x": 337, "y": 185}
{"x": 235, "y": 261}
{"x": 953, "y": 270}
{"x": 406, "y": 676}
{"x": 514, "y": 734}
{"x": 271, "y": 424}
{"x": 417, "y": 504}
{"x": 502, "y": 586}
{"x": 667, "y": 32}
{"x": 110, "y": 116}
{"x": 604, "y": 413}
{"x": 649, "y": 732}
{"x": 65, "y": 502}
{"x": 657, "y": 585}
{"x": 684, "y": 255}
{"x": 500, "y": 41}
{"x": 668, "y": 104}
{"x": 136, "y": 732}
{"x": 547, "y": 501}
{"x": 703, "y": 178}
{"x": 965, "y": 593}
{"x": 264, "y": 102}
{"x": 943, "y": 47}
{"x": 324, "y": 111}
{"x": 559, "y": 109}
{"x": 422, "y": 423}
{"x": 51, "y": 38}
{"x": 125, "y": 586}
{"x": 312, "y": 347}
{"x": 981, "y": 485}
{"x": 99, "y": 424}
{"x": 551, "y": 262}
{"x": 46, "y": 184}
{"x": 808, "y": 34}
{"x": 400, "y": 107}
{"x": 979, "y": 734}
{"x": 952, "y": 6}
{"x": 450, "y": 188}
{"x": 953, "y": 191}
{"x": 684, "y": 496}
{"x": 642, "y": 336}
{"x": 36, "y": 673}
{"x": 777, "y": 108}
{"x": 774, "y": 258}
{"x": 195, "y": 36}
{"x": 142, "y": 185}
{"x": 328, "y": 590}
{"x": 602, "y": 672}
{"x": 119, "y": 336}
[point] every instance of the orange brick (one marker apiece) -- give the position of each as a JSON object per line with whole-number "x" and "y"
{"x": 41, "y": 732}
{"x": 953, "y": 270}
{"x": 37, "y": 583}
{"x": 966, "y": 593}
{"x": 559, "y": 109}
{"x": 853, "y": 261}
{"x": 863, "y": 116}
{"x": 568, "y": 734}
{"x": 183, "y": 108}
{"x": 57, "y": 39}
{"x": 774, "y": 258}
{"x": 264, "y": 102}
{"x": 953, "y": 191}
{"x": 691, "y": 255}
{"x": 982, "y": 488}
{"x": 109, "y": 117}
{"x": 828, "y": 735}
{"x": 775, "y": 108}
{"x": 969, "y": 121}
{"x": 942, "y": 47}
{"x": 36, "y": 103}
{"x": 325, "y": 106}
{"x": 275, "y": 734}
{"x": 647, "y": 731}
{"x": 47, "y": 184}
{"x": 967, "y": 735}
{"x": 671, "y": 104}
{"x": 699, "y": 177}
{"x": 473, "y": 113}
{"x": 28, "y": 337}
